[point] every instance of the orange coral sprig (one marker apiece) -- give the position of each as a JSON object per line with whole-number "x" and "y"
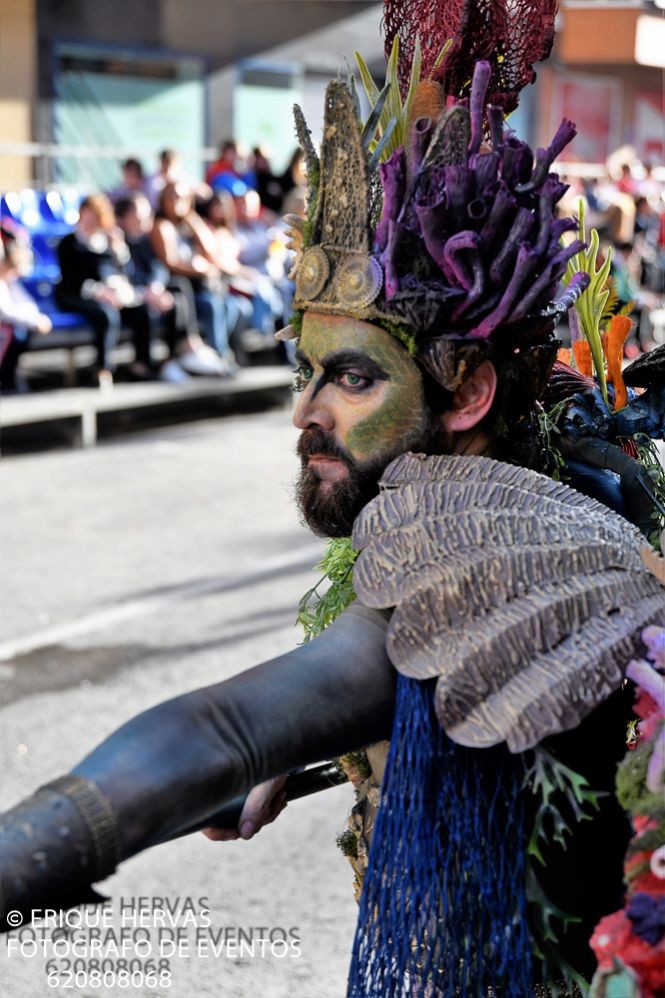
{"x": 613, "y": 343}
{"x": 583, "y": 358}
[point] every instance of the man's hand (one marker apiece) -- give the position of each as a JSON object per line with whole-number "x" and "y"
{"x": 264, "y": 802}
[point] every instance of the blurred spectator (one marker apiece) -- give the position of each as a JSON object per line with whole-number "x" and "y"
{"x": 170, "y": 172}
{"x": 294, "y": 176}
{"x": 170, "y": 297}
{"x": 226, "y": 163}
{"x": 647, "y": 230}
{"x": 19, "y": 313}
{"x": 185, "y": 244}
{"x": 257, "y": 290}
{"x": 626, "y": 182}
{"x": 262, "y": 246}
{"x": 95, "y": 283}
{"x": 252, "y": 229}
{"x": 133, "y": 180}
{"x": 648, "y": 186}
{"x": 268, "y": 186}
{"x": 625, "y": 271}
{"x": 607, "y": 209}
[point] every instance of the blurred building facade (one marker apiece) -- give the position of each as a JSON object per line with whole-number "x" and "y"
{"x": 130, "y": 77}
{"x": 84, "y": 83}
{"x": 607, "y": 75}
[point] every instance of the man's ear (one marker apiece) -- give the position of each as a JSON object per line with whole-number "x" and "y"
{"x": 472, "y": 400}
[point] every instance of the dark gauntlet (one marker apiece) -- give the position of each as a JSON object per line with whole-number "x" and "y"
{"x": 170, "y": 770}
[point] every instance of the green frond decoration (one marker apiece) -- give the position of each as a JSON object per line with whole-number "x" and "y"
{"x": 649, "y": 457}
{"x": 391, "y": 129}
{"x": 545, "y": 914}
{"x": 556, "y": 785}
{"x": 547, "y": 421}
{"x": 316, "y": 611}
{"x": 554, "y": 782}
{"x": 591, "y": 304}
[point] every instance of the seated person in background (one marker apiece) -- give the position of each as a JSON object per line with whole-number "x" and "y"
{"x": 226, "y": 163}
{"x": 295, "y": 174}
{"x": 260, "y": 236}
{"x": 133, "y": 181}
{"x": 185, "y": 244}
{"x": 266, "y": 304}
{"x": 19, "y": 313}
{"x": 625, "y": 272}
{"x": 170, "y": 172}
{"x": 268, "y": 186}
{"x": 94, "y": 282}
{"x": 253, "y": 229}
{"x": 171, "y": 298}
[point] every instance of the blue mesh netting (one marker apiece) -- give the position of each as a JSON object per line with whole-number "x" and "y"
{"x": 443, "y": 908}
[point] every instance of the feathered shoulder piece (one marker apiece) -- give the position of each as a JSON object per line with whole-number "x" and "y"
{"x": 524, "y": 597}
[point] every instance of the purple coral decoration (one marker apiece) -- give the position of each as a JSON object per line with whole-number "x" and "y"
{"x": 654, "y": 639}
{"x": 476, "y": 233}
{"x": 647, "y": 914}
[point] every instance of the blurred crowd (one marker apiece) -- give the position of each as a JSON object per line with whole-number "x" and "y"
{"x": 203, "y": 266}
{"x": 627, "y": 207}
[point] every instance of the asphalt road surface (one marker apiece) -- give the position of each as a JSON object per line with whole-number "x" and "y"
{"x": 153, "y": 564}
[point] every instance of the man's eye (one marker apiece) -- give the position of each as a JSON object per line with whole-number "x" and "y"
{"x": 350, "y": 379}
{"x": 301, "y": 377}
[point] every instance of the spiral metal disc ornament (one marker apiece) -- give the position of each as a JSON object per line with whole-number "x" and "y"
{"x": 358, "y": 281}
{"x": 313, "y": 272}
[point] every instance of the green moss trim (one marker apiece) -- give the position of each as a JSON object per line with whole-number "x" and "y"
{"x": 631, "y": 781}
{"x": 348, "y": 844}
{"x": 400, "y": 333}
{"x": 296, "y": 323}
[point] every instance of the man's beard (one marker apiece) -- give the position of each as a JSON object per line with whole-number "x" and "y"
{"x": 330, "y": 511}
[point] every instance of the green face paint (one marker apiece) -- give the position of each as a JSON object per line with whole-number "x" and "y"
{"x": 361, "y": 384}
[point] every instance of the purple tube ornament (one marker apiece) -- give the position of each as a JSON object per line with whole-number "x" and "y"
{"x": 565, "y": 133}
{"x": 453, "y": 265}
{"x": 432, "y": 221}
{"x": 479, "y": 84}
{"x": 420, "y": 139}
{"x": 495, "y": 121}
{"x": 526, "y": 261}
{"x": 552, "y": 272}
{"x": 520, "y": 231}
{"x": 393, "y": 181}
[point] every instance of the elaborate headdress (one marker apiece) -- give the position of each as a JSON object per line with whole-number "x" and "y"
{"x": 432, "y": 219}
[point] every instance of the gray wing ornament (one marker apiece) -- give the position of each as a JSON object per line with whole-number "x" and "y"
{"x": 523, "y": 597}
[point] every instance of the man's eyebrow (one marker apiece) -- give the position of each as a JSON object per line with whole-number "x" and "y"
{"x": 302, "y": 357}
{"x": 358, "y": 358}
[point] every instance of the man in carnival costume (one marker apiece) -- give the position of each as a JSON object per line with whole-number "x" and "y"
{"x": 496, "y": 609}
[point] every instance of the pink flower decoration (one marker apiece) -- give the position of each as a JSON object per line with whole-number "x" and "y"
{"x": 654, "y": 639}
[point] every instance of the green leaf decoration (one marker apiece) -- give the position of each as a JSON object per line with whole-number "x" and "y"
{"x": 591, "y": 304}
{"x": 649, "y": 457}
{"x": 555, "y": 783}
{"x": 374, "y": 119}
{"x": 390, "y": 131}
{"x": 317, "y": 611}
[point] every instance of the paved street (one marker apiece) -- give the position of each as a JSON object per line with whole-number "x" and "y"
{"x": 155, "y": 563}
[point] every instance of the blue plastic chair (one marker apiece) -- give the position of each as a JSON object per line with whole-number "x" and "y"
{"x": 52, "y": 212}
{"x": 42, "y": 290}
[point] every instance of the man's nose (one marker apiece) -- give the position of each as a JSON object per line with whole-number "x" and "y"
{"x": 313, "y": 412}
